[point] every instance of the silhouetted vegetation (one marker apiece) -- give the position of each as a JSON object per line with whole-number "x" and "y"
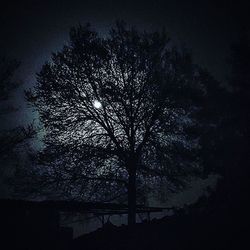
{"x": 13, "y": 137}
{"x": 237, "y": 126}
{"x": 124, "y": 115}
{"x": 120, "y": 115}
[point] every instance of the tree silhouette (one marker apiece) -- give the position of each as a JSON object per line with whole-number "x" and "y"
{"x": 238, "y": 132}
{"x": 119, "y": 113}
{"x": 10, "y": 138}
{"x": 7, "y": 70}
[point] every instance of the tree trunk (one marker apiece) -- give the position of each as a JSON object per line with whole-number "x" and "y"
{"x": 132, "y": 196}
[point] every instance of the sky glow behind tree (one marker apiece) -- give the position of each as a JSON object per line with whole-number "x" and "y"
{"x": 32, "y": 29}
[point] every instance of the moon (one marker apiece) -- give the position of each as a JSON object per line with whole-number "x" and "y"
{"x": 97, "y": 104}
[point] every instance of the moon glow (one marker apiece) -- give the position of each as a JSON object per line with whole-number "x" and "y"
{"x": 97, "y": 104}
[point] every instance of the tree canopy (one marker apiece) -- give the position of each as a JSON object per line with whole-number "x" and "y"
{"x": 119, "y": 113}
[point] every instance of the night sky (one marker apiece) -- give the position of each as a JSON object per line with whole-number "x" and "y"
{"x": 32, "y": 29}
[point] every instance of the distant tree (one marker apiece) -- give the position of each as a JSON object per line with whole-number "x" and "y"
{"x": 10, "y": 138}
{"x": 13, "y": 137}
{"x": 238, "y": 123}
{"x": 213, "y": 118}
{"x": 7, "y": 70}
{"x": 119, "y": 114}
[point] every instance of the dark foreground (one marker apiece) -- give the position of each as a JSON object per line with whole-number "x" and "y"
{"x": 201, "y": 231}
{"x": 208, "y": 224}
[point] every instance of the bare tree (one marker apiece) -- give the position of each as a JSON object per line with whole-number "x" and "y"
{"x": 7, "y": 70}
{"x": 12, "y": 137}
{"x": 118, "y": 113}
